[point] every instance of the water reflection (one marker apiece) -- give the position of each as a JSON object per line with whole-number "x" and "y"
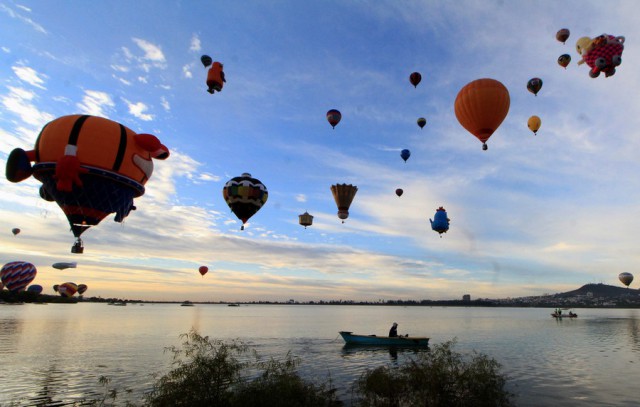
{"x": 368, "y": 351}
{"x": 10, "y": 330}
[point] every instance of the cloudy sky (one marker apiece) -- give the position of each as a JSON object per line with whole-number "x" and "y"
{"x": 531, "y": 215}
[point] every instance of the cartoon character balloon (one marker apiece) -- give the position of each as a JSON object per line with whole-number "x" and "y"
{"x": 215, "y": 78}
{"x": 333, "y": 117}
{"x": 203, "y": 270}
{"x": 534, "y": 124}
{"x": 625, "y": 278}
{"x": 343, "y": 194}
{"x": 15, "y": 231}
{"x": 563, "y": 35}
{"x": 90, "y": 166}
{"x": 534, "y": 85}
{"x": 481, "y": 106}
{"x": 440, "y": 222}
{"x": 405, "y": 154}
{"x": 305, "y": 219}
{"x": 82, "y": 288}
{"x": 601, "y": 54}
{"x": 245, "y": 196}
{"x": 17, "y": 275}
{"x": 422, "y": 122}
{"x": 564, "y": 60}
{"x": 67, "y": 289}
{"x": 415, "y": 79}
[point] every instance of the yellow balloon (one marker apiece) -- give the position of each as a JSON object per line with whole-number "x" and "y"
{"x": 534, "y": 124}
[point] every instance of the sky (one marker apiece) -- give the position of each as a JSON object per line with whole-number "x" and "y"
{"x": 531, "y": 215}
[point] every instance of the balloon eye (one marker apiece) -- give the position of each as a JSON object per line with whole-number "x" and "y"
{"x": 617, "y": 60}
{"x": 601, "y": 62}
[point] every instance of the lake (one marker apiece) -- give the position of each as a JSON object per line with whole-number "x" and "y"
{"x": 54, "y": 354}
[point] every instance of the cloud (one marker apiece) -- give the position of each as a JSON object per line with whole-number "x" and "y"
{"x": 186, "y": 71}
{"x": 138, "y": 110}
{"x": 301, "y": 198}
{"x": 165, "y": 103}
{"x": 195, "y": 45}
{"x": 29, "y": 21}
{"x": 96, "y": 103}
{"x": 29, "y": 75}
{"x": 152, "y": 53}
{"x": 19, "y": 102}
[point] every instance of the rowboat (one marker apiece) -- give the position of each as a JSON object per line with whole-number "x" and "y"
{"x": 560, "y": 316}
{"x": 353, "y": 339}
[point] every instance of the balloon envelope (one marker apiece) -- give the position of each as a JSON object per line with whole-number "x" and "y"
{"x": 17, "y": 275}
{"x": 82, "y": 288}
{"x": 35, "y": 288}
{"x": 67, "y": 289}
{"x": 405, "y": 154}
{"x": 625, "y": 278}
{"x": 203, "y": 270}
{"x": 399, "y": 192}
{"x": 333, "y": 117}
{"x": 343, "y": 194}
{"x": 245, "y": 196}
{"x": 562, "y": 35}
{"x": 481, "y": 106}
{"x": 534, "y": 85}
{"x": 564, "y": 60}
{"x": 206, "y": 60}
{"x": 305, "y": 219}
{"x": 534, "y": 124}
{"x": 422, "y": 122}
{"x": 415, "y": 79}
{"x": 15, "y": 231}
{"x": 440, "y": 222}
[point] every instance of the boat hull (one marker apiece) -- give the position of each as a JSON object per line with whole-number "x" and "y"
{"x": 353, "y": 339}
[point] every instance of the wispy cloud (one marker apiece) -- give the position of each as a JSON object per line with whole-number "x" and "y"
{"x": 29, "y": 75}
{"x": 19, "y": 101}
{"x": 27, "y": 20}
{"x": 96, "y": 103}
{"x": 195, "y": 45}
{"x": 138, "y": 110}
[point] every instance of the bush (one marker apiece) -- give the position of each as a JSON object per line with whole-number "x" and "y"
{"x": 436, "y": 378}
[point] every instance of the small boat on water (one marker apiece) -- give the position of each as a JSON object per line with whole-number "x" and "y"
{"x": 233, "y": 305}
{"x": 187, "y": 304}
{"x": 558, "y": 314}
{"x": 352, "y": 339}
{"x": 118, "y": 303}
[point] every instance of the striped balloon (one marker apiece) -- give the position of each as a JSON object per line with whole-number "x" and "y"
{"x": 67, "y": 289}
{"x": 17, "y": 275}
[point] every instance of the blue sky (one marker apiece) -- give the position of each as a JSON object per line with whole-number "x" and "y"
{"x": 532, "y": 215}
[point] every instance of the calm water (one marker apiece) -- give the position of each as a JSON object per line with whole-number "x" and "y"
{"x": 54, "y": 354}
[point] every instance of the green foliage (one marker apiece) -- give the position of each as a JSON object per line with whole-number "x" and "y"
{"x": 438, "y": 378}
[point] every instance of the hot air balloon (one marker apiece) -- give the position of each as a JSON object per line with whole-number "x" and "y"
{"x": 534, "y": 85}
{"x": 399, "y": 192}
{"x": 481, "y": 106}
{"x": 55, "y": 287}
{"x": 82, "y": 288}
{"x": 215, "y": 78}
{"x": 415, "y": 79}
{"x": 343, "y": 194}
{"x": 625, "y": 278}
{"x": 245, "y": 196}
{"x": 602, "y": 54}
{"x": 564, "y": 60}
{"x": 305, "y": 219}
{"x": 203, "y": 270}
{"x": 67, "y": 289}
{"x": 15, "y": 231}
{"x": 64, "y": 265}
{"x": 563, "y": 35}
{"x": 90, "y": 166}
{"x": 440, "y": 222}
{"x": 17, "y": 275}
{"x": 333, "y": 117}
{"x": 422, "y": 122}
{"x": 534, "y": 123}
{"x": 35, "y": 288}
{"x": 206, "y": 60}
{"x": 405, "y": 154}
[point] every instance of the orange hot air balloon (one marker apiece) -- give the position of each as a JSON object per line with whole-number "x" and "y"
{"x": 481, "y": 106}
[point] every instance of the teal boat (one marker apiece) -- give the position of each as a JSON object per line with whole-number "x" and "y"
{"x": 353, "y": 339}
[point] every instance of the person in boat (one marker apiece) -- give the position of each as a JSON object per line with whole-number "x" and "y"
{"x": 393, "y": 332}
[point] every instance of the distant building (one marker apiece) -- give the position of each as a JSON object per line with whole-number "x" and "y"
{"x": 466, "y": 298}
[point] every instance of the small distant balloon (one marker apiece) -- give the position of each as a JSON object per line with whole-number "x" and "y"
{"x": 34, "y": 288}
{"x": 206, "y": 60}
{"x": 67, "y": 289}
{"x": 564, "y": 60}
{"x": 203, "y": 270}
{"x": 399, "y": 192}
{"x": 55, "y": 287}
{"x": 563, "y": 35}
{"x": 534, "y": 85}
{"x": 625, "y": 278}
{"x": 15, "y": 231}
{"x": 405, "y": 154}
{"x": 82, "y": 288}
{"x": 415, "y": 79}
{"x": 534, "y": 124}
{"x": 333, "y": 117}
{"x": 305, "y": 219}
{"x": 422, "y": 122}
